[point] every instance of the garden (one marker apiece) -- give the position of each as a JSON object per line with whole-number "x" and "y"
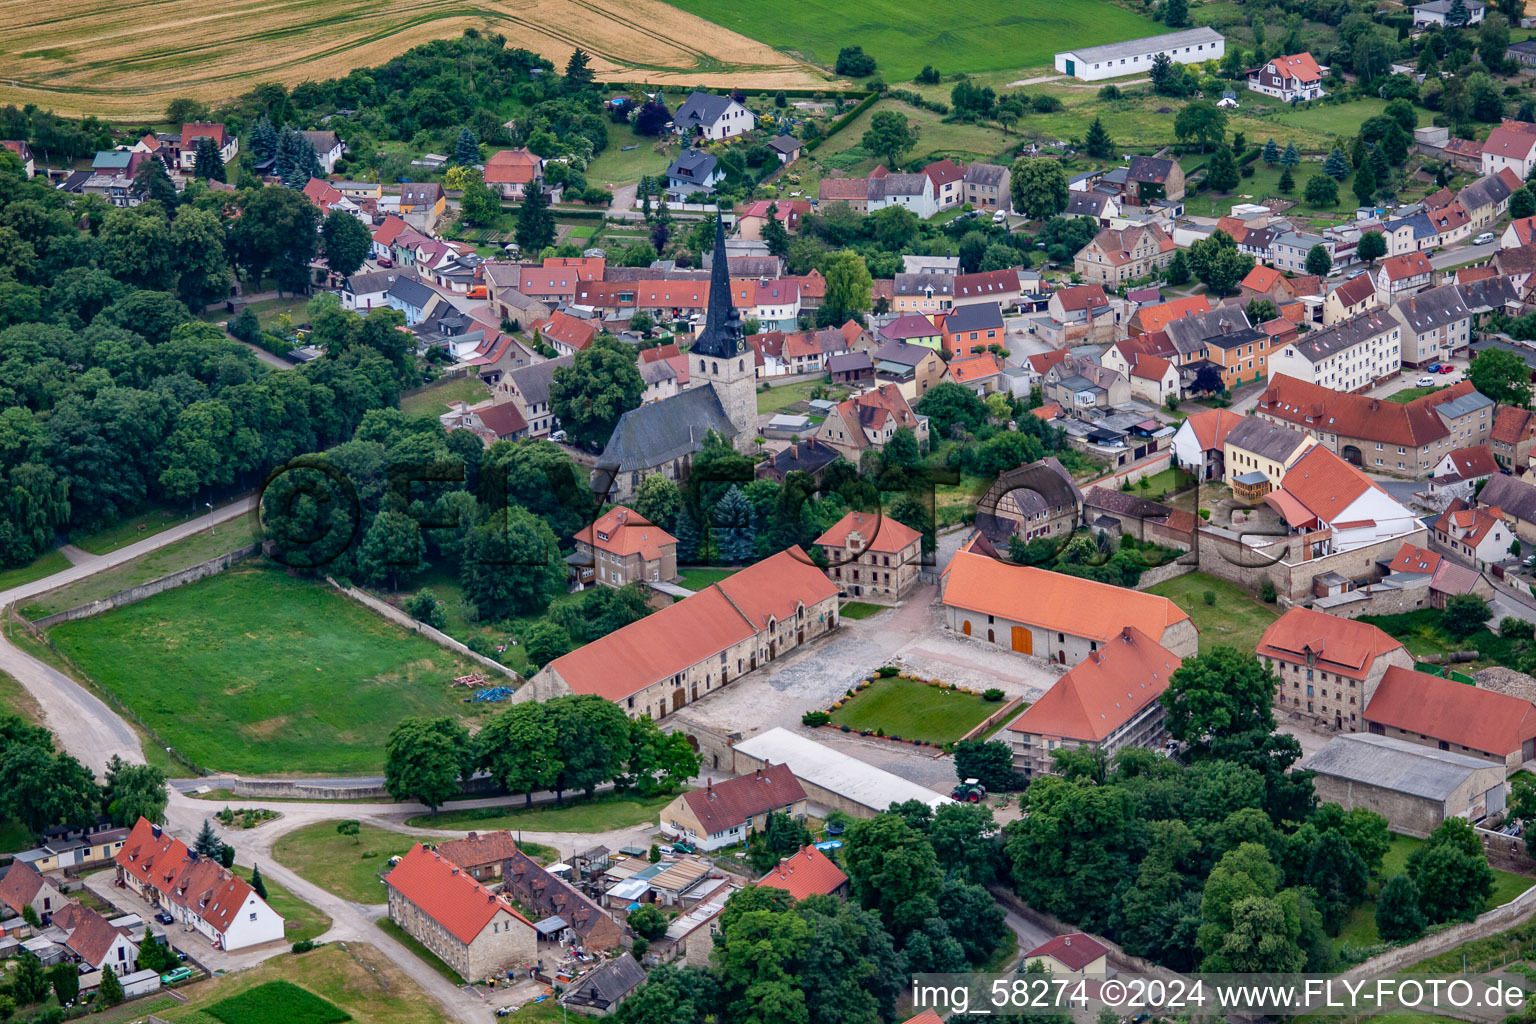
{"x": 1222, "y": 611}
{"x": 1462, "y": 626}
{"x": 907, "y": 709}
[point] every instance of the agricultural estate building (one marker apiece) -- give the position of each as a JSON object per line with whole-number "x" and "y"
{"x": 1108, "y": 701}
{"x": 198, "y": 892}
{"x": 1051, "y": 615}
{"x": 1414, "y": 787}
{"x": 467, "y": 926}
{"x": 720, "y": 815}
{"x": 1134, "y": 57}
{"x": 833, "y": 780}
{"x": 548, "y": 896}
{"x": 1449, "y": 715}
{"x": 1039, "y": 499}
{"x": 1328, "y": 667}
{"x": 872, "y": 557}
{"x": 670, "y": 658}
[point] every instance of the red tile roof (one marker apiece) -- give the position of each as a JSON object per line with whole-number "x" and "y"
{"x": 479, "y": 849}
{"x": 1054, "y": 601}
{"x": 446, "y": 893}
{"x": 1103, "y": 691}
{"x": 622, "y": 531}
{"x": 988, "y": 284}
{"x": 1262, "y": 278}
{"x": 879, "y": 533}
{"x": 721, "y": 807}
{"x": 1042, "y": 362}
{"x": 942, "y": 172}
{"x": 195, "y": 130}
{"x": 511, "y": 167}
{"x": 1356, "y": 290}
{"x": 20, "y": 885}
{"x": 1299, "y": 66}
{"x": 1147, "y": 367}
{"x": 91, "y": 936}
{"x": 1083, "y": 296}
{"x": 1443, "y": 709}
{"x": 1412, "y": 424}
{"x": 1507, "y": 142}
{"x": 1212, "y": 426}
{"x": 1155, "y": 318}
{"x": 1512, "y": 424}
{"x": 202, "y": 886}
{"x": 682, "y": 635}
{"x": 1343, "y": 646}
{"x": 963, "y": 371}
{"x": 1325, "y": 484}
{"x": 1474, "y": 461}
{"x": 1074, "y": 951}
{"x": 1468, "y": 524}
{"x": 1412, "y": 558}
{"x": 567, "y": 330}
{"x": 1412, "y": 264}
{"x": 806, "y": 872}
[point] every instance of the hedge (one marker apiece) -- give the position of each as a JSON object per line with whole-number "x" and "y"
{"x": 843, "y": 122}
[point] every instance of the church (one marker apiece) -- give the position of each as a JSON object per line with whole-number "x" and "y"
{"x": 662, "y": 437}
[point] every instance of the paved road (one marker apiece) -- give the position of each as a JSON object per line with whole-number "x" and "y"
{"x": 1463, "y": 254}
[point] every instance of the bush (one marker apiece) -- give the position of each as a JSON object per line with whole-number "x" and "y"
{"x": 994, "y": 695}
{"x": 886, "y": 671}
{"x": 1205, "y": 514}
{"x": 1512, "y": 628}
{"x": 1267, "y": 592}
{"x": 1209, "y": 596}
{"x": 815, "y": 718}
{"x": 304, "y": 945}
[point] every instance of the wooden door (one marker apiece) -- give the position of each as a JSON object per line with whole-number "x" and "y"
{"x": 1023, "y": 640}
{"x": 965, "y": 627}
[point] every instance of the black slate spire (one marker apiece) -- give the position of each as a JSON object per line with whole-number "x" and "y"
{"x": 721, "y": 338}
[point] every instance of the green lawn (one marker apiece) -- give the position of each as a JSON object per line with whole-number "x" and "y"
{"x": 955, "y": 503}
{"x": 422, "y": 953}
{"x": 45, "y": 564}
{"x": 257, "y": 672}
{"x": 992, "y": 34}
{"x": 267, "y": 310}
{"x": 133, "y": 529}
{"x": 339, "y": 864}
{"x": 437, "y": 398}
{"x": 606, "y": 811}
{"x": 1409, "y": 394}
{"x": 1169, "y": 481}
{"x": 861, "y": 610}
{"x": 1236, "y": 619}
{"x": 1360, "y": 926}
{"x": 781, "y": 396}
{"x": 183, "y": 554}
{"x": 698, "y": 579}
{"x": 618, "y": 166}
{"x": 300, "y": 920}
{"x": 914, "y": 711}
{"x": 16, "y": 700}
{"x": 277, "y": 1000}
{"x": 936, "y": 137}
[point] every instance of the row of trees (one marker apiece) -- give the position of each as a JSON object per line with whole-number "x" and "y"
{"x": 577, "y": 742}
{"x": 42, "y": 787}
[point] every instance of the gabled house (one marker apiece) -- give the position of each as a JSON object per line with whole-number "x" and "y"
{"x": 1442, "y": 12}
{"x": 623, "y": 547}
{"x": 1077, "y": 955}
{"x": 1513, "y": 437}
{"x": 464, "y": 924}
{"x": 734, "y": 810}
{"x": 948, "y": 180}
{"x": 1258, "y": 453}
{"x": 546, "y": 895}
{"x": 1472, "y": 535}
{"x": 1151, "y": 178}
{"x": 1150, "y": 319}
{"x": 1079, "y": 384}
{"x": 982, "y": 374}
{"x": 1294, "y": 78}
{"x": 1512, "y": 145}
{"x": 713, "y": 117}
{"x": 97, "y": 943}
{"x": 193, "y": 132}
{"x": 969, "y": 330}
{"x": 1486, "y": 199}
{"x": 24, "y": 886}
{"x": 912, "y": 369}
{"x": 1353, "y": 298}
{"x": 872, "y": 557}
{"x": 987, "y": 187}
{"x": 1515, "y": 500}
{"x": 1327, "y": 667}
{"x": 1038, "y": 499}
{"x": 1352, "y": 356}
{"x": 693, "y": 172}
{"x": 1443, "y": 713}
{"x": 23, "y": 153}
{"x": 1117, "y": 256}
{"x": 1402, "y": 275}
{"x": 512, "y": 172}
{"x": 1152, "y": 377}
{"x": 805, "y": 873}
{"x": 912, "y": 192}
{"x": 1459, "y": 472}
{"x": 1000, "y": 286}
{"x": 922, "y": 293}
{"x": 529, "y": 388}
{"x": 328, "y": 148}
{"x": 1200, "y": 442}
{"x": 868, "y": 421}
{"x": 1436, "y": 325}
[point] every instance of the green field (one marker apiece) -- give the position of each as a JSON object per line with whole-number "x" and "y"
{"x": 339, "y": 864}
{"x": 1236, "y": 619}
{"x": 183, "y": 554}
{"x": 436, "y": 399}
{"x": 861, "y": 610}
{"x": 618, "y": 166}
{"x": 300, "y": 920}
{"x": 274, "y": 1001}
{"x": 45, "y": 564}
{"x": 604, "y": 812}
{"x": 1360, "y": 926}
{"x": 965, "y": 142}
{"x": 989, "y": 35}
{"x": 15, "y": 700}
{"x": 261, "y": 673}
{"x": 133, "y": 529}
{"x": 1407, "y": 395}
{"x": 698, "y": 579}
{"x": 914, "y": 711}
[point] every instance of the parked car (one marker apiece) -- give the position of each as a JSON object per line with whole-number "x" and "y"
{"x": 1433, "y": 367}
{"x": 1000, "y": 217}
{"x": 1424, "y": 382}
{"x": 1447, "y": 368}
{"x": 179, "y": 974}
{"x": 165, "y": 918}
{"x": 1483, "y": 239}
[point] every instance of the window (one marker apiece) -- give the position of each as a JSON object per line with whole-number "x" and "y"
{"x": 253, "y": 915}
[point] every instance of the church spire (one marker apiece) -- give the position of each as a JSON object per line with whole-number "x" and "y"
{"x": 722, "y": 328}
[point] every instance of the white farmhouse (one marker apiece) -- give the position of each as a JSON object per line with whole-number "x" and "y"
{"x": 1113, "y": 60}
{"x": 713, "y": 117}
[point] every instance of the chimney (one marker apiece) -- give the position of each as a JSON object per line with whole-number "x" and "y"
{"x": 1069, "y": 940}
{"x": 472, "y": 835}
{"x": 155, "y": 831}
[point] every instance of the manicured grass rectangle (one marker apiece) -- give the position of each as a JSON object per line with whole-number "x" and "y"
{"x": 1407, "y": 395}
{"x": 341, "y": 864}
{"x": 914, "y": 711}
{"x": 278, "y": 1002}
{"x": 989, "y": 35}
{"x": 1236, "y": 619}
{"x": 698, "y": 579}
{"x": 258, "y": 672}
{"x": 597, "y": 815}
{"x": 437, "y": 398}
{"x": 861, "y": 610}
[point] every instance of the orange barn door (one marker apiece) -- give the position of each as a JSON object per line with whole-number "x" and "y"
{"x": 1023, "y": 641}
{"x": 965, "y": 627}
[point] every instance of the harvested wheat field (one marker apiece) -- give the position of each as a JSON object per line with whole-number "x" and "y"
{"x": 128, "y": 58}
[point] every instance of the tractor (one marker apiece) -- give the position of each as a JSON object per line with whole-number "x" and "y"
{"x": 970, "y": 791}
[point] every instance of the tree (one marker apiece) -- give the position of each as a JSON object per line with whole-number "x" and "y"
{"x": 297, "y": 161}
{"x": 1502, "y": 376}
{"x": 1201, "y": 122}
{"x": 258, "y": 883}
{"x": 111, "y": 990}
{"x": 517, "y": 747}
{"x": 512, "y": 564}
{"x": 853, "y": 62}
{"x": 889, "y": 135}
{"x": 1364, "y": 185}
{"x": 66, "y": 982}
{"x": 208, "y": 843}
{"x": 478, "y": 203}
{"x": 1337, "y": 164}
{"x": 1097, "y": 142}
{"x": 893, "y": 871}
{"x": 990, "y": 763}
{"x": 775, "y": 235}
{"x": 134, "y": 791}
{"x": 152, "y": 181}
{"x": 733, "y": 532}
{"x": 425, "y": 607}
{"x": 1217, "y": 262}
{"x": 535, "y": 224}
{"x": 780, "y": 837}
{"x": 1322, "y": 190}
{"x": 1451, "y": 872}
{"x": 1162, "y": 73}
{"x": 1371, "y": 246}
{"x": 277, "y": 233}
{"x": 1220, "y": 692}
{"x": 1464, "y": 615}
{"x": 227, "y": 856}
{"x": 1221, "y": 171}
{"x": 263, "y": 138}
{"x": 1318, "y": 260}
{"x": 200, "y": 263}
{"x": 1271, "y": 153}
{"x": 467, "y": 150}
{"x": 346, "y": 242}
{"x": 1260, "y": 310}
{"x": 352, "y": 828}
{"x": 29, "y": 982}
{"x": 849, "y": 286}
{"x": 647, "y": 921}
{"x": 658, "y": 500}
{"x": 424, "y": 759}
{"x": 1338, "y": 876}
{"x": 601, "y": 384}
{"x": 578, "y": 71}
{"x": 208, "y": 165}
{"x": 1176, "y": 13}
{"x": 1178, "y": 269}
{"x": 1398, "y": 917}
{"x": 652, "y": 117}
{"x": 1522, "y": 203}
{"x": 591, "y": 742}
{"x": 1038, "y": 187}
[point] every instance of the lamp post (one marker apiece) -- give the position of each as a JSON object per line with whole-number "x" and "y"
{"x": 212, "y": 529}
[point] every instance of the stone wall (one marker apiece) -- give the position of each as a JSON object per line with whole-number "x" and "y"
{"x": 437, "y": 636}
{"x": 1162, "y": 573}
{"x": 1007, "y": 711}
{"x": 1223, "y": 554}
{"x": 1516, "y": 911}
{"x": 125, "y": 597}
{"x": 299, "y": 789}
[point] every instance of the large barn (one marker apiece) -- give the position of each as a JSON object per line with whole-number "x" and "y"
{"x": 1134, "y": 57}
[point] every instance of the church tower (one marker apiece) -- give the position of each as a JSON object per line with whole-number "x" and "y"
{"x": 719, "y": 358}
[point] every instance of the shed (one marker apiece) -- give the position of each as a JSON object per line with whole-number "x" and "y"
{"x": 601, "y": 991}
{"x": 551, "y": 929}
{"x": 47, "y": 951}
{"x": 832, "y": 779}
{"x": 140, "y": 983}
{"x": 1414, "y": 787}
